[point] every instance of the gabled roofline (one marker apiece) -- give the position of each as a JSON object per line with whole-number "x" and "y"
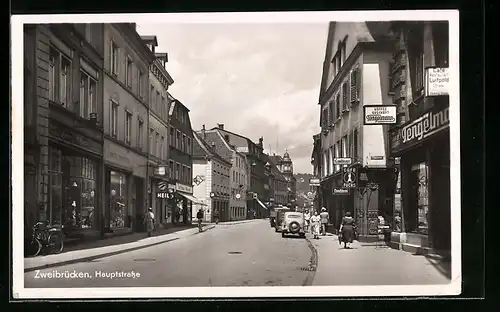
{"x": 207, "y": 149}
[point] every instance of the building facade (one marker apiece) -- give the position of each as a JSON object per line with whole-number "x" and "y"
{"x": 256, "y": 178}
{"x": 316, "y": 162}
{"x": 356, "y": 72}
{"x": 126, "y": 111}
{"x": 238, "y": 175}
{"x": 279, "y": 183}
{"x": 420, "y": 140}
{"x": 158, "y": 130}
{"x": 213, "y": 182}
{"x": 63, "y": 124}
{"x": 180, "y": 162}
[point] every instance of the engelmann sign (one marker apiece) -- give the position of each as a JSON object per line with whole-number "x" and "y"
{"x": 425, "y": 126}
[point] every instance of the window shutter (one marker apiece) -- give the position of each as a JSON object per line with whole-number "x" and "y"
{"x": 345, "y": 98}
{"x": 331, "y": 117}
{"x": 354, "y": 89}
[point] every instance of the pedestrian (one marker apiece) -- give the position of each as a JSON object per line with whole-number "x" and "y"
{"x": 346, "y": 230}
{"x": 216, "y": 216}
{"x": 315, "y": 224}
{"x": 324, "y": 220}
{"x": 307, "y": 219}
{"x": 149, "y": 221}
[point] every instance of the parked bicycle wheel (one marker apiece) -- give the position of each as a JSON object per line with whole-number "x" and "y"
{"x": 56, "y": 243}
{"x": 34, "y": 247}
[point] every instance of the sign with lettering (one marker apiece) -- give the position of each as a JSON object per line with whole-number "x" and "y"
{"x": 184, "y": 188}
{"x": 349, "y": 177}
{"x": 419, "y": 129}
{"x": 242, "y": 149}
{"x": 314, "y": 182}
{"x": 68, "y": 136}
{"x": 340, "y": 191}
{"x": 379, "y": 114}
{"x": 342, "y": 161}
{"x": 437, "y": 81}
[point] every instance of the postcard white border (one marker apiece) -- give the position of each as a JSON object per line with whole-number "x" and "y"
{"x": 17, "y": 21}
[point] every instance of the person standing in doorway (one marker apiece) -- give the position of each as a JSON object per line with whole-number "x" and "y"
{"x": 149, "y": 221}
{"x": 324, "y": 221}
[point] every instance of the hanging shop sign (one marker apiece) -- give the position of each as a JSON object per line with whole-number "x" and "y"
{"x": 342, "y": 161}
{"x": 160, "y": 170}
{"x": 184, "y": 188}
{"x": 314, "y": 182}
{"x": 340, "y": 191}
{"x": 379, "y": 114}
{"x": 437, "y": 81}
{"x": 419, "y": 129}
{"x": 350, "y": 177}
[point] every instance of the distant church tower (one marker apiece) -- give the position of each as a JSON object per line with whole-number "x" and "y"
{"x": 287, "y": 165}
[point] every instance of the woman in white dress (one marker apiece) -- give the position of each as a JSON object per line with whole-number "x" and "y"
{"x": 315, "y": 223}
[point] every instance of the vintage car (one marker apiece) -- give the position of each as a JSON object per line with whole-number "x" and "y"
{"x": 274, "y": 214}
{"x": 280, "y": 215}
{"x": 293, "y": 224}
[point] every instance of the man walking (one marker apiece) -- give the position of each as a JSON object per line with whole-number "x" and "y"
{"x": 324, "y": 220}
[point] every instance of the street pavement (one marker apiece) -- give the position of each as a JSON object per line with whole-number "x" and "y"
{"x": 242, "y": 254}
{"x": 371, "y": 264}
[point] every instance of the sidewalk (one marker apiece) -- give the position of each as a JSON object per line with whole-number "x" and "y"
{"x": 371, "y": 264}
{"x": 89, "y": 251}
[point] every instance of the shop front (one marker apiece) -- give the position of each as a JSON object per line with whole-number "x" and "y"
{"x": 184, "y": 203}
{"x": 158, "y": 193}
{"x": 124, "y": 189}
{"x": 422, "y": 202}
{"x": 74, "y": 182}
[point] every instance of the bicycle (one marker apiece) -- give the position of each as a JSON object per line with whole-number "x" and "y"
{"x": 46, "y": 236}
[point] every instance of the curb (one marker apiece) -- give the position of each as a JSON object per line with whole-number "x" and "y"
{"x": 313, "y": 264}
{"x": 104, "y": 255}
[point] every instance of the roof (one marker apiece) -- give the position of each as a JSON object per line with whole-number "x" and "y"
{"x": 152, "y": 39}
{"x": 202, "y": 149}
{"x": 175, "y": 102}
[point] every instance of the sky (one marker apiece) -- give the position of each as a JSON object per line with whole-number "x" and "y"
{"x": 256, "y": 79}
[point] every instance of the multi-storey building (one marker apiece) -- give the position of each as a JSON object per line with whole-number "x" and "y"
{"x": 180, "y": 162}
{"x": 212, "y": 179}
{"x": 285, "y": 166}
{"x": 158, "y": 150}
{"x": 238, "y": 175}
{"x": 420, "y": 140}
{"x": 126, "y": 120}
{"x": 283, "y": 180}
{"x": 278, "y": 182}
{"x": 316, "y": 161}
{"x": 63, "y": 121}
{"x": 356, "y": 73}
{"x": 255, "y": 159}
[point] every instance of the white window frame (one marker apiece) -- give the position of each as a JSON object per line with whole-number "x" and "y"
{"x": 140, "y": 134}
{"x": 128, "y": 127}
{"x": 114, "y": 118}
{"x": 89, "y": 97}
{"x": 128, "y": 72}
{"x": 114, "y": 56}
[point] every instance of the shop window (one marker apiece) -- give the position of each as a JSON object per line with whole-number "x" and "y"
{"x": 118, "y": 200}
{"x": 420, "y": 192}
{"x": 54, "y": 213}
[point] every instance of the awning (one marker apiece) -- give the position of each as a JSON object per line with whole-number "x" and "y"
{"x": 192, "y": 198}
{"x": 261, "y": 203}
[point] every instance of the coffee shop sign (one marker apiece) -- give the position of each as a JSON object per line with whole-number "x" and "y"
{"x": 437, "y": 81}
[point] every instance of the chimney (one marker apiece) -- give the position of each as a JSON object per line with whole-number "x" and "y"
{"x": 221, "y": 126}
{"x": 203, "y": 136}
{"x": 261, "y": 141}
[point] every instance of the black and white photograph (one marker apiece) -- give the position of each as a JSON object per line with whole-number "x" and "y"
{"x": 306, "y": 154}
